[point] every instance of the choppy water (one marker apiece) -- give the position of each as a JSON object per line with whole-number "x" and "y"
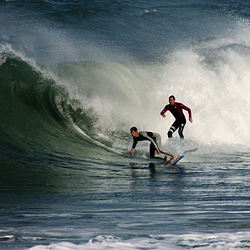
{"x": 75, "y": 76}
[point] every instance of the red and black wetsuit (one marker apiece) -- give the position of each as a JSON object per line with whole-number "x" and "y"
{"x": 180, "y": 120}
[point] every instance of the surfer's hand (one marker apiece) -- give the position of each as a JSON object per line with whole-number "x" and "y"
{"x": 132, "y": 151}
{"x": 191, "y": 119}
{"x": 158, "y": 151}
{"x": 163, "y": 115}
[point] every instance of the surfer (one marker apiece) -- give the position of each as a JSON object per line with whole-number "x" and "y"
{"x": 176, "y": 108}
{"x": 155, "y": 144}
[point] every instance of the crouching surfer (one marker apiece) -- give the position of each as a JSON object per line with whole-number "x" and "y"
{"x": 155, "y": 144}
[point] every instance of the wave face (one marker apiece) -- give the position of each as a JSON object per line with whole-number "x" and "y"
{"x": 70, "y": 79}
{"x": 38, "y": 115}
{"x": 98, "y": 101}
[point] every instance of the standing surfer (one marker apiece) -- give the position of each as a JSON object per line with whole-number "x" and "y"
{"x": 176, "y": 108}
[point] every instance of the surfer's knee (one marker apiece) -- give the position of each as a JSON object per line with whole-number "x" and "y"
{"x": 171, "y": 131}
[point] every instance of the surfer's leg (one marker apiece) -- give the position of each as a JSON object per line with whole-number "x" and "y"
{"x": 169, "y": 155}
{"x": 171, "y": 131}
{"x": 173, "y": 128}
{"x": 157, "y": 139}
{"x": 152, "y": 150}
{"x": 172, "y": 156}
{"x": 180, "y": 131}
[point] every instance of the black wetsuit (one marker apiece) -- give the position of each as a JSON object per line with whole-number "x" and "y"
{"x": 155, "y": 140}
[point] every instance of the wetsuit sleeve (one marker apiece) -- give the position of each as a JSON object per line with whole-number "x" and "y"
{"x": 134, "y": 143}
{"x": 145, "y": 135}
{"x": 188, "y": 110}
{"x": 164, "y": 111}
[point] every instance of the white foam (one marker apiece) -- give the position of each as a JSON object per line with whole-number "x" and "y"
{"x": 233, "y": 241}
{"x": 212, "y": 78}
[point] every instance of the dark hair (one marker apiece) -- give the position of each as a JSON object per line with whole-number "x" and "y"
{"x": 134, "y": 129}
{"x": 171, "y": 97}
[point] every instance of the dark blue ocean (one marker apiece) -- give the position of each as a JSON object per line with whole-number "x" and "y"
{"x": 75, "y": 76}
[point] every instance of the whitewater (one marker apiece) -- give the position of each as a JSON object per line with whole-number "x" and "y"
{"x": 75, "y": 76}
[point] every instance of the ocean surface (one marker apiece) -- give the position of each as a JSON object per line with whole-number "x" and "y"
{"x": 75, "y": 76}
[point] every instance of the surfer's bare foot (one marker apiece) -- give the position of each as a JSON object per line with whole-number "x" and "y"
{"x": 175, "y": 157}
{"x": 167, "y": 159}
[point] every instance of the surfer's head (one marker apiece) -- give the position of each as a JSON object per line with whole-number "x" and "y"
{"x": 171, "y": 100}
{"x": 134, "y": 132}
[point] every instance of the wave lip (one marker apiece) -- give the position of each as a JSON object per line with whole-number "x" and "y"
{"x": 37, "y": 113}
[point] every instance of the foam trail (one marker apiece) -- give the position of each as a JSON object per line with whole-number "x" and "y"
{"x": 238, "y": 240}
